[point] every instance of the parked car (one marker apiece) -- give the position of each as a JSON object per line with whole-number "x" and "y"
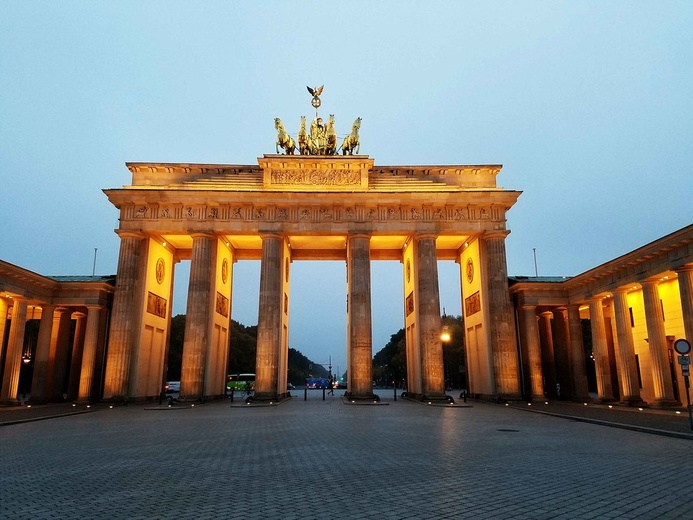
{"x": 172, "y": 387}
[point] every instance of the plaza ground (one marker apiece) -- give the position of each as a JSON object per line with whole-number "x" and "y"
{"x": 327, "y": 459}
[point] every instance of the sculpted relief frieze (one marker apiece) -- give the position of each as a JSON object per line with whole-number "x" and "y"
{"x": 248, "y": 212}
{"x": 316, "y": 177}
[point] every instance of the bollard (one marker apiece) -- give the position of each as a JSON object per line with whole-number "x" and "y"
{"x": 395, "y": 392}
{"x": 231, "y": 395}
{"x": 323, "y": 394}
{"x": 305, "y": 394}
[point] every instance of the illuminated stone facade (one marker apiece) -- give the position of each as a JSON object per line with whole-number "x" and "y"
{"x": 292, "y": 208}
{"x": 637, "y": 305}
{"x": 52, "y": 335}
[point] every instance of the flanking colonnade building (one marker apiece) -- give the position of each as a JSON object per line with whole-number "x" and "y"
{"x": 525, "y": 337}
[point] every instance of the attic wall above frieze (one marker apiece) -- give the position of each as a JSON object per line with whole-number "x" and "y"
{"x": 165, "y": 174}
{"x": 478, "y": 176}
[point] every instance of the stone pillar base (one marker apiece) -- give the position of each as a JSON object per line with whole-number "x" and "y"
{"x": 265, "y": 396}
{"x": 428, "y": 398}
{"x": 351, "y": 396}
{"x": 513, "y": 397}
{"x": 604, "y": 400}
{"x": 633, "y": 401}
{"x": 10, "y": 402}
{"x": 665, "y": 403}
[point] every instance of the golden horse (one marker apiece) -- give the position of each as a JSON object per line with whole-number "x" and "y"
{"x": 304, "y": 144}
{"x": 284, "y": 140}
{"x": 351, "y": 142}
{"x": 331, "y": 136}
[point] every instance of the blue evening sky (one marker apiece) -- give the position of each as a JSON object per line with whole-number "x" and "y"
{"x": 588, "y": 105}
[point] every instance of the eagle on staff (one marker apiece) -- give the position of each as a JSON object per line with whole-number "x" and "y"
{"x": 315, "y": 92}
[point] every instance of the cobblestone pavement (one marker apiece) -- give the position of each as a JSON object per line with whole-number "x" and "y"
{"x": 320, "y": 459}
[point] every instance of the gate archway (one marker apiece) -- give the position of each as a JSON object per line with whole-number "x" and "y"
{"x": 289, "y": 208}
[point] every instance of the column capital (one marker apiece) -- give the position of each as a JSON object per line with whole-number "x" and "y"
{"x": 78, "y": 314}
{"x": 650, "y": 282}
{"x": 497, "y": 233}
{"x": 95, "y": 307}
{"x": 528, "y": 307}
{"x": 547, "y": 314}
{"x": 622, "y": 290}
{"x": 124, "y": 233}
{"x": 202, "y": 234}
{"x": 424, "y": 236}
{"x": 688, "y": 268}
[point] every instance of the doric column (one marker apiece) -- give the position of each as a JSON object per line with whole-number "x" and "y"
{"x": 530, "y": 337}
{"x": 577, "y": 354}
{"x": 501, "y": 319}
{"x": 561, "y": 353}
{"x": 686, "y": 295}
{"x": 123, "y": 317}
{"x": 76, "y": 359}
{"x": 657, "y": 341}
{"x": 269, "y": 319}
{"x": 627, "y": 371}
{"x": 43, "y": 351}
{"x": 548, "y": 360}
{"x": 13, "y": 358}
{"x": 600, "y": 350}
{"x": 91, "y": 338}
{"x": 359, "y": 333}
{"x": 197, "y": 319}
{"x": 432, "y": 373}
{"x": 59, "y": 353}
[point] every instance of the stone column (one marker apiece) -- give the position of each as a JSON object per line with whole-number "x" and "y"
{"x": 548, "y": 359}
{"x": 91, "y": 338}
{"x": 627, "y": 371}
{"x": 530, "y": 337}
{"x": 432, "y": 373}
{"x": 501, "y": 319}
{"x": 60, "y": 350}
{"x": 76, "y": 359}
{"x": 269, "y": 333}
{"x": 600, "y": 351}
{"x": 197, "y": 319}
{"x": 360, "y": 339}
{"x": 657, "y": 341}
{"x": 39, "y": 380}
{"x": 13, "y": 359}
{"x": 123, "y": 318}
{"x": 686, "y": 295}
{"x": 577, "y": 354}
{"x": 561, "y": 352}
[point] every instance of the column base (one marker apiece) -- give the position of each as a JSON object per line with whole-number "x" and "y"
{"x": 633, "y": 401}
{"x": 352, "y": 396}
{"x": 604, "y": 400}
{"x": 264, "y": 397}
{"x": 513, "y": 397}
{"x": 10, "y": 402}
{"x": 582, "y": 399}
{"x": 666, "y": 403}
{"x": 428, "y": 398}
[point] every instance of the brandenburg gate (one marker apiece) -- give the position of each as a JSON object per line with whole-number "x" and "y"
{"x": 314, "y": 206}
{"x": 292, "y": 208}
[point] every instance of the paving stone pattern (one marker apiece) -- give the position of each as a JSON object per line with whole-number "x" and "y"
{"x": 327, "y": 460}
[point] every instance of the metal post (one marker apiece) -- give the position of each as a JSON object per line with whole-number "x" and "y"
{"x": 305, "y": 393}
{"x": 323, "y": 394}
{"x": 688, "y": 400}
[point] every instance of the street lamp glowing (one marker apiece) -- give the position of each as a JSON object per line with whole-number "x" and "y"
{"x": 445, "y": 335}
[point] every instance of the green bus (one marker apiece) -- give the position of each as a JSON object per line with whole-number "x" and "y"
{"x": 237, "y": 382}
